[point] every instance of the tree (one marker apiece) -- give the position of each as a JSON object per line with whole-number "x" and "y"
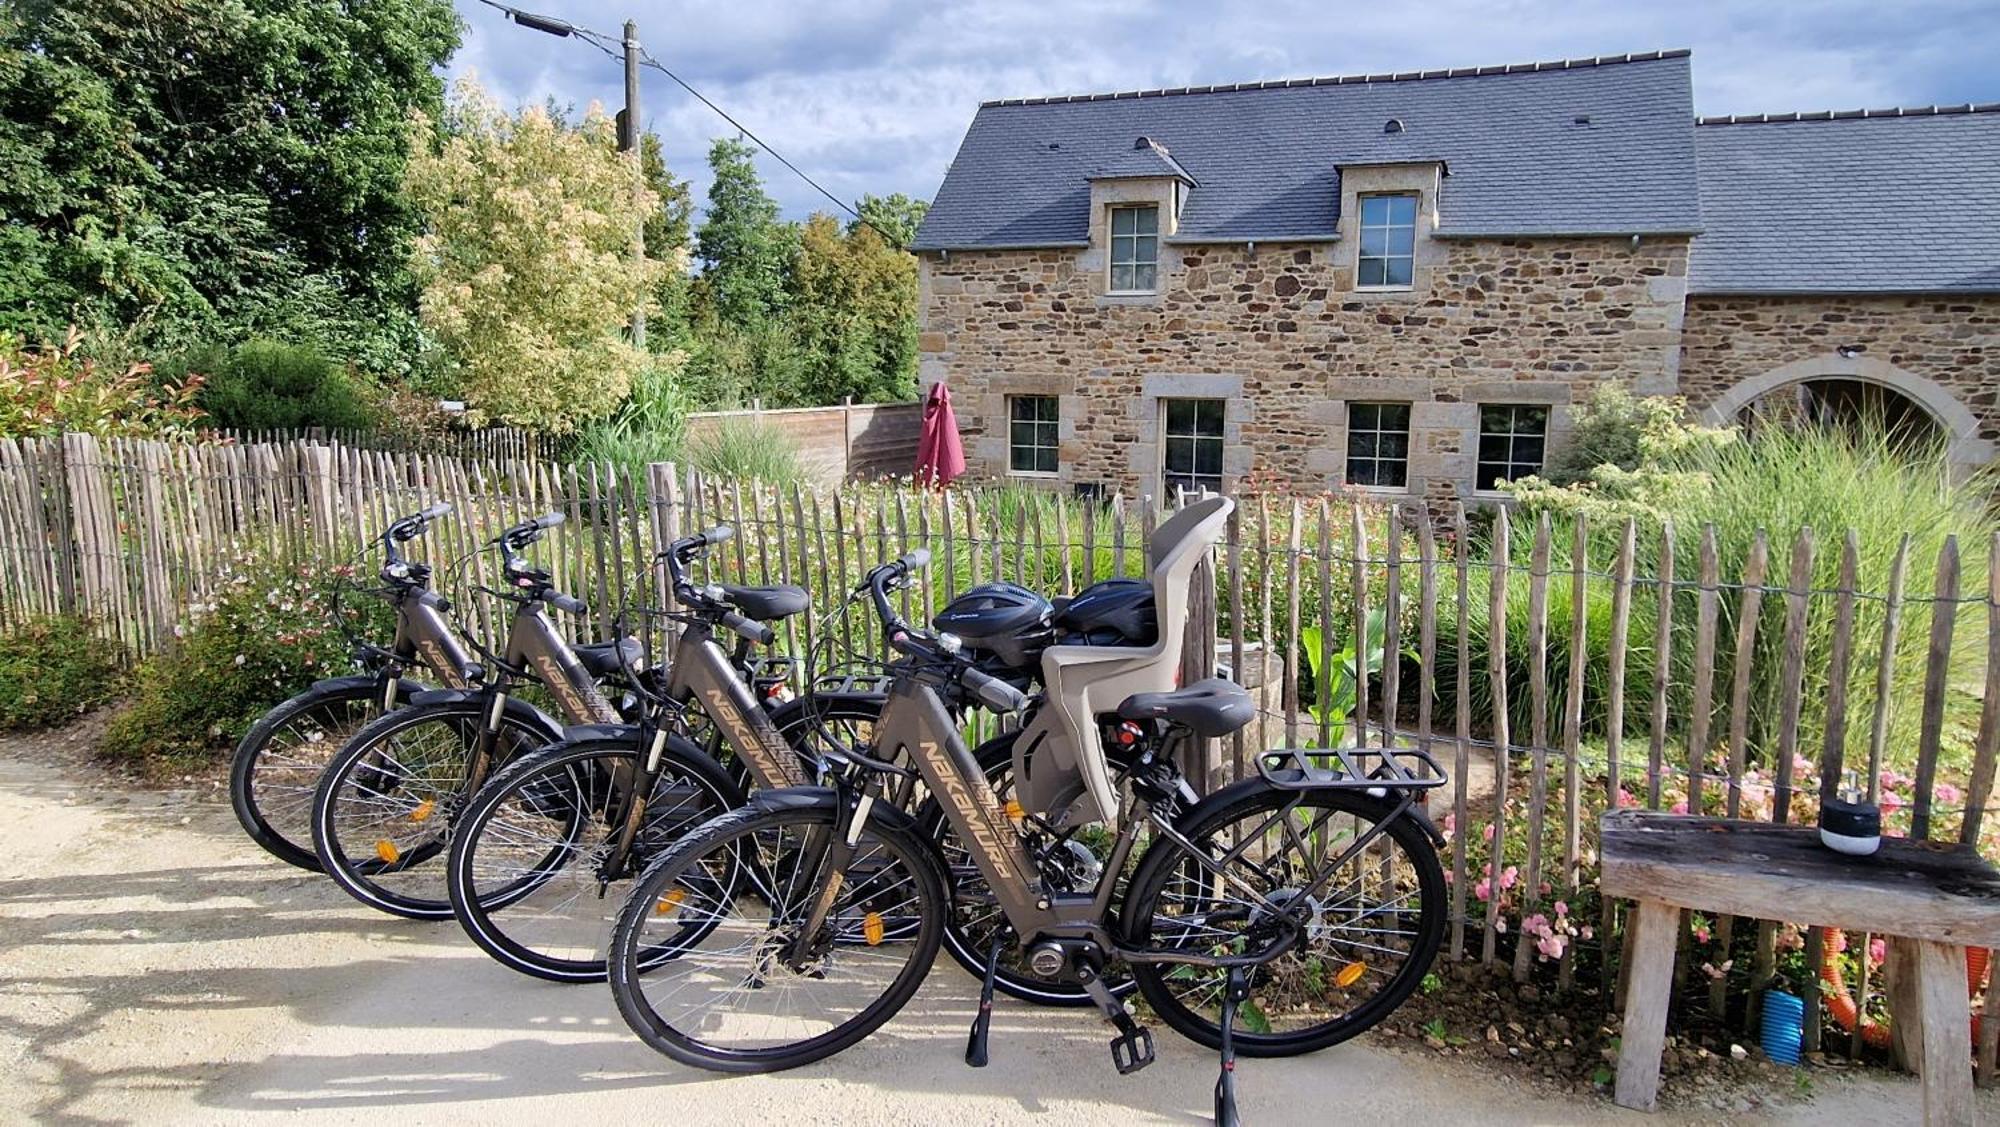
{"x": 743, "y": 247}
{"x": 895, "y": 216}
{"x": 526, "y": 266}
{"x": 668, "y": 228}
{"x": 853, "y": 308}
{"x": 213, "y": 170}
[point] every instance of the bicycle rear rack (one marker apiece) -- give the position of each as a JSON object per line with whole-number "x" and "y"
{"x": 1377, "y": 770}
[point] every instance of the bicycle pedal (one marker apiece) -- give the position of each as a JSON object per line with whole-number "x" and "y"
{"x": 1132, "y": 1049}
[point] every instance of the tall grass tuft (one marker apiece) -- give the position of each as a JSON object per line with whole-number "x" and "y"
{"x": 746, "y": 450}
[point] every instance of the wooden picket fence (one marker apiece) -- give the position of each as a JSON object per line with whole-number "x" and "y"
{"x": 1555, "y": 670}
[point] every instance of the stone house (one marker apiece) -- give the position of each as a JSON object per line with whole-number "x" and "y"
{"x": 1401, "y": 283}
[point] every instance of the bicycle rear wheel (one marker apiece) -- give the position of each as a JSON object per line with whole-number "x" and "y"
{"x": 386, "y": 804}
{"x": 528, "y": 873}
{"x": 707, "y": 961}
{"x": 277, "y": 766}
{"x": 1373, "y": 916}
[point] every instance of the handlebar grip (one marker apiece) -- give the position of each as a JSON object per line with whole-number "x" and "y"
{"x": 720, "y": 534}
{"x": 916, "y": 560}
{"x": 749, "y": 628}
{"x": 546, "y": 521}
{"x": 992, "y": 692}
{"x": 561, "y": 601}
{"x": 441, "y": 509}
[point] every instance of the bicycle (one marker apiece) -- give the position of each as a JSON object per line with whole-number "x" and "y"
{"x": 278, "y": 763}
{"x": 551, "y": 837}
{"x": 1309, "y": 898}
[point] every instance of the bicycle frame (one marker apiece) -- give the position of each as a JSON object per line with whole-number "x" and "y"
{"x": 702, "y": 673}
{"x": 423, "y": 637}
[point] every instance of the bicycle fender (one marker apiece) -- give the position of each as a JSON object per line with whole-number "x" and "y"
{"x": 1236, "y": 790}
{"x": 404, "y": 685}
{"x": 824, "y": 798}
{"x": 516, "y": 709}
{"x": 623, "y": 733}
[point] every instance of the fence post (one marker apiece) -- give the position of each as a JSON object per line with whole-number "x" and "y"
{"x": 322, "y": 504}
{"x": 664, "y": 514}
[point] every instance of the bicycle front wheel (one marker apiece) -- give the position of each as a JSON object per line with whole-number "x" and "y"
{"x": 530, "y": 871}
{"x": 1370, "y": 906}
{"x": 278, "y": 764}
{"x": 709, "y": 962}
{"x": 383, "y": 814}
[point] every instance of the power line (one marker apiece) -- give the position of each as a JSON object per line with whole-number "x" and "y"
{"x": 604, "y": 42}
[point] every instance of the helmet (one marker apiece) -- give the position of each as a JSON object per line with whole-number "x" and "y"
{"x": 1116, "y": 612}
{"x": 1003, "y": 624}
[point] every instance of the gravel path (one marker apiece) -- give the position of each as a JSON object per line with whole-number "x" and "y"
{"x": 156, "y": 967}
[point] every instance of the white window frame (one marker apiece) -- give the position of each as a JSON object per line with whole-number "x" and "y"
{"x": 1362, "y": 227}
{"x": 1479, "y": 460}
{"x": 1050, "y": 428}
{"x": 1378, "y": 432}
{"x": 1134, "y": 240}
{"x": 1195, "y": 439}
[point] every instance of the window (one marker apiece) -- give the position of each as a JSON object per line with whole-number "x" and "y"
{"x": 1191, "y": 444}
{"x": 1511, "y": 443}
{"x": 1032, "y": 439}
{"x": 1135, "y": 249}
{"x": 1378, "y": 444}
{"x": 1388, "y": 241}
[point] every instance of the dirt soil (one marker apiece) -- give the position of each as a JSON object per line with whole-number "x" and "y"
{"x": 156, "y": 967}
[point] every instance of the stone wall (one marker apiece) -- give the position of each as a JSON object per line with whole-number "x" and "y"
{"x": 1282, "y": 334}
{"x": 1942, "y": 351}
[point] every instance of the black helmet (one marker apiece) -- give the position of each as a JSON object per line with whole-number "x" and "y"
{"x": 1004, "y": 620}
{"x": 1116, "y": 612}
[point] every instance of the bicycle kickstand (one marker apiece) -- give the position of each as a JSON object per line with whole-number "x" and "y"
{"x": 1236, "y": 993}
{"x": 975, "y": 1045}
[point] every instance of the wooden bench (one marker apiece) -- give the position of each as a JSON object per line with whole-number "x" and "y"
{"x": 1932, "y": 899}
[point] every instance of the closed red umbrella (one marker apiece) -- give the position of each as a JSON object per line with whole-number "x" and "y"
{"x": 940, "y": 454}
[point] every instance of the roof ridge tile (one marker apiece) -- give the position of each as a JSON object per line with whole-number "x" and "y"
{"x": 1847, "y": 115}
{"x": 1344, "y": 79}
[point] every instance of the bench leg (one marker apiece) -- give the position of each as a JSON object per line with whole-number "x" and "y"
{"x": 1649, "y": 988}
{"x": 1942, "y": 1047}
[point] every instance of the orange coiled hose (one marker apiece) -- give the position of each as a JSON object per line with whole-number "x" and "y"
{"x": 1841, "y": 1003}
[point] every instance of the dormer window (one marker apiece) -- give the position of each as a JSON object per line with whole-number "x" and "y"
{"x": 1388, "y": 242}
{"x": 1135, "y": 249}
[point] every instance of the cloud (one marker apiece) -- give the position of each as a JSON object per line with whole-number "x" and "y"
{"x": 873, "y": 95}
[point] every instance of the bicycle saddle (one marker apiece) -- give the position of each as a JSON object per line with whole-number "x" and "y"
{"x": 602, "y": 659}
{"x": 767, "y": 604}
{"x": 1210, "y": 708}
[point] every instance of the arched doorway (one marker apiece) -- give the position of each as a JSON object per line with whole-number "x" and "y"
{"x": 1856, "y": 391}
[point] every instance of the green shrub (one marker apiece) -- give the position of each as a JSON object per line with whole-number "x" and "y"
{"x": 267, "y": 633}
{"x": 648, "y": 427}
{"x": 269, "y": 385}
{"x": 746, "y": 450}
{"x": 52, "y": 388}
{"x": 53, "y": 670}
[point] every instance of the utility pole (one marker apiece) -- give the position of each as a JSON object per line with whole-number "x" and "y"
{"x": 628, "y": 141}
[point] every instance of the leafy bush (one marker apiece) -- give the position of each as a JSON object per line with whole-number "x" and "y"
{"x": 267, "y": 633}
{"x": 53, "y": 388}
{"x": 747, "y": 451}
{"x": 53, "y": 670}
{"x": 649, "y": 426}
{"x": 269, "y": 385}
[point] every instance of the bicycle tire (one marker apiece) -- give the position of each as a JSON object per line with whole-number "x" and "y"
{"x": 361, "y": 873}
{"x": 1252, "y": 797}
{"x": 284, "y": 829}
{"x": 723, "y": 840}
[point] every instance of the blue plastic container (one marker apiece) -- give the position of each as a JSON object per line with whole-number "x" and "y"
{"x": 1784, "y": 1026}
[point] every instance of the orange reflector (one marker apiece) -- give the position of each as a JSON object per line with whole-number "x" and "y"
{"x": 669, "y": 902}
{"x": 387, "y": 851}
{"x": 871, "y": 928}
{"x": 1349, "y": 974}
{"x": 1015, "y": 810}
{"x": 423, "y": 810}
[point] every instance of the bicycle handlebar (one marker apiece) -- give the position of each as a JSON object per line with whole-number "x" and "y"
{"x": 561, "y": 601}
{"x": 749, "y": 628}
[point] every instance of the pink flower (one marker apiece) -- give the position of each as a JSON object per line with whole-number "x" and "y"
{"x": 1878, "y": 950}
{"x": 1701, "y": 934}
{"x": 1544, "y": 888}
{"x": 1562, "y": 908}
{"x": 1586, "y": 932}
{"x": 1509, "y": 876}
{"x": 1551, "y": 946}
{"x": 1536, "y": 924}
{"x": 1447, "y": 876}
{"x": 1680, "y": 808}
{"x": 1450, "y": 824}
{"x": 1483, "y": 890}
{"x": 1948, "y": 794}
{"x": 1891, "y": 802}
{"x": 1489, "y": 831}
{"x": 1842, "y": 945}
{"x": 1891, "y": 780}
{"x": 1625, "y": 799}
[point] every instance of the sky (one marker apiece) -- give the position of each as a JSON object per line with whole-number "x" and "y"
{"x": 872, "y": 96}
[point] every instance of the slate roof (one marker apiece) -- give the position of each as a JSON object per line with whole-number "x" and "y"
{"x": 1147, "y": 160}
{"x": 1266, "y": 156}
{"x": 1876, "y": 201}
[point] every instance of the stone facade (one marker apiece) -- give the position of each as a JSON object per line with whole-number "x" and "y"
{"x": 1942, "y": 351}
{"x": 1281, "y": 332}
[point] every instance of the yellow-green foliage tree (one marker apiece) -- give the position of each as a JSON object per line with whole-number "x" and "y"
{"x": 526, "y": 260}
